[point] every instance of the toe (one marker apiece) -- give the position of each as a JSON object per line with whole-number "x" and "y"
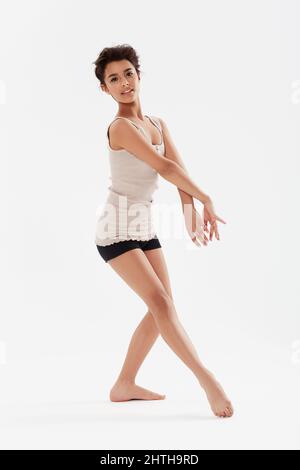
{"x": 158, "y": 396}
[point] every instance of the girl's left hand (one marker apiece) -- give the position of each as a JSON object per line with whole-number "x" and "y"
{"x": 209, "y": 215}
{"x": 195, "y": 226}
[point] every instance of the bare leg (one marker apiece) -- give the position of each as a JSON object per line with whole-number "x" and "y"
{"x": 142, "y": 341}
{"x": 136, "y": 270}
{"x": 147, "y": 332}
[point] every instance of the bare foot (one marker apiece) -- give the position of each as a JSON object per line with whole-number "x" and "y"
{"x": 219, "y": 402}
{"x": 125, "y": 391}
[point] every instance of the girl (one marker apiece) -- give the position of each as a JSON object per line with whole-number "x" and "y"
{"x": 140, "y": 147}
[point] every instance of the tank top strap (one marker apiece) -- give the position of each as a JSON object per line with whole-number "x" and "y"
{"x": 155, "y": 121}
{"x": 157, "y": 124}
{"x": 121, "y": 117}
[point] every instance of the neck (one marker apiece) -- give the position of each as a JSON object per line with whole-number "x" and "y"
{"x": 131, "y": 110}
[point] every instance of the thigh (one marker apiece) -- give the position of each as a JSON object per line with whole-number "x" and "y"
{"x": 136, "y": 270}
{"x": 157, "y": 260}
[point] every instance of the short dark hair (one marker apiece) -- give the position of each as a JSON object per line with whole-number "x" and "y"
{"x": 110, "y": 54}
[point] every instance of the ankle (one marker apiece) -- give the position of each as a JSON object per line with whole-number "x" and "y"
{"x": 205, "y": 377}
{"x": 125, "y": 381}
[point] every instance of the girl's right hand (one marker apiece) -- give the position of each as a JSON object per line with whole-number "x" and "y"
{"x": 209, "y": 215}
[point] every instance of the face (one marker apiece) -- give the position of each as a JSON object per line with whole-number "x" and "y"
{"x": 121, "y": 76}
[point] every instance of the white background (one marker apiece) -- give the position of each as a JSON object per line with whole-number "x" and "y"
{"x": 225, "y": 77}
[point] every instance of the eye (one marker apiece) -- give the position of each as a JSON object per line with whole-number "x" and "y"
{"x": 115, "y": 78}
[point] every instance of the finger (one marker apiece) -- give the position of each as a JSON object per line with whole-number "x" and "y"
{"x": 202, "y": 238}
{"x": 200, "y": 234}
{"x": 217, "y": 233}
{"x": 199, "y": 227}
{"x": 195, "y": 241}
{"x": 221, "y": 220}
{"x": 212, "y": 230}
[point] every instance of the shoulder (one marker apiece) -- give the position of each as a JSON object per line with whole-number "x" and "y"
{"x": 118, "y": 125}
{"x": 123, "y": 123}
{"x": 115, "y": 129}
{"x": 120, "y": 131}
{"x": 160, "y": 121}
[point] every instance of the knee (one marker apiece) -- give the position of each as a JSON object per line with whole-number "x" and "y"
{"x": 161, "y": 305}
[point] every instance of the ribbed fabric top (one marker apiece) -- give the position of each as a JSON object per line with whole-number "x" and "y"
{"x": 136, "y": 181}
{"x": 130, "y": 175}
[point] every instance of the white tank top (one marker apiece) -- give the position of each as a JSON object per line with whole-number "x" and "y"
{"x": 127, "y": 212}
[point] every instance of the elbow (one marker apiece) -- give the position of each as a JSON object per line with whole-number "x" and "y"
{"x": 166, "y": 168}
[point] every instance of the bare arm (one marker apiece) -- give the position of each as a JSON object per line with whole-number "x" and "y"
{"x": 172, "y": 153}
{"x": 128, "y": 137}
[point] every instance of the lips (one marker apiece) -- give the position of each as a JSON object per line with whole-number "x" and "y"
{"x": 127, "y": 91}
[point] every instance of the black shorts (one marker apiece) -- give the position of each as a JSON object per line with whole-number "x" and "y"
{"x": 115, "y": 249}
